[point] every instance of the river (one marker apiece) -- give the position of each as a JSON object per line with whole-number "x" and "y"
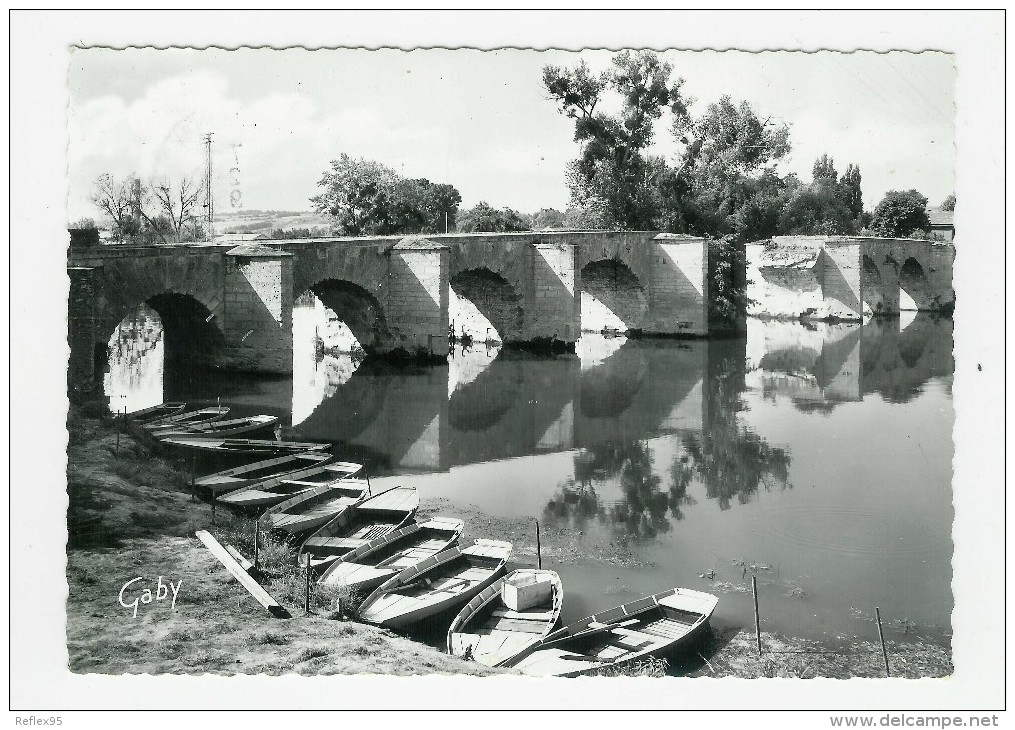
{"x": 816, "y": 457}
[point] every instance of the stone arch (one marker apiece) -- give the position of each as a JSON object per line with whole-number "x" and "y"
{"x": 191, "y": 331}
{"x": 358, "y": 308}
{"x": 619, "y": 289}
{"x": 913, "y": 280}
{"x": 872, "y": 286}
{"x": 495, "y": 298}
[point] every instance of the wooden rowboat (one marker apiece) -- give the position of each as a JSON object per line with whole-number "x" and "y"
{"x": 157, "y": 413}
{"x": 360, "y": 523}
{"x": 308, "y": 510}
{"x": 371, "y": 564}
{"x": 238, "y": 477}
{"x": 279, "y": 489}
{"x": 489, "y": 631}
{"x": 652, "y": 626}
{"x": 242, "y": 446}
{"x": 217, "y": 429}
{"x": 191, "y": 418}
{"x": 437, "y": 585}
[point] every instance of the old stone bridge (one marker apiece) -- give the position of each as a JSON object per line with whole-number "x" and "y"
{"x": 840, "y": 277}
{"x": 231, "y": 306}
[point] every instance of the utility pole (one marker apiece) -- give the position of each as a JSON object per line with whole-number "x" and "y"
{"x": 209, "y": 203}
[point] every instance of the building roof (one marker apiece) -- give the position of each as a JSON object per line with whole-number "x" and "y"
{"x": 941, "y": 217}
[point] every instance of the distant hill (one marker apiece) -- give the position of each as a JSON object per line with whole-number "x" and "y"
{"x": 265, "y": 221}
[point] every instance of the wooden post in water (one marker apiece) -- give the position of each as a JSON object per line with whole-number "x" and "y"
{"x": 306, "y": 600}
{"x": 367, "y": 475}
{"x": 539, "y": 549}
{"x": 257, "y": 543}
{"x": 213, "y": 512}
{"x": 881, "y": 635}
{"x": 757, "y": 614}
{"x": 193, "y": 478}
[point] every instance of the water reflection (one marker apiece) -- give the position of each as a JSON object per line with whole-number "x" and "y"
{"x": 134, "y": 376}
{"x": 822, "y": 450}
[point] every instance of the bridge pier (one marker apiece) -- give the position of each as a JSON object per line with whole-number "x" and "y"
{"x": 258, "y": 314}
{"x": 553, "y": 303}
{"x": 82, "y": 367}
{"x": 417, "y": 297}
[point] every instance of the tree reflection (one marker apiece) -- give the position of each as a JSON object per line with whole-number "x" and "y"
{"x": 731, "y": 460}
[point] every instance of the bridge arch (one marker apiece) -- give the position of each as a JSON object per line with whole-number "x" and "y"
{"x": 496, "y": 298}
{"x": 872, "y": 286}
{"x": 913, "y": 280}
{"x": 615, "y": 285}
{"x": 360, "y": 310}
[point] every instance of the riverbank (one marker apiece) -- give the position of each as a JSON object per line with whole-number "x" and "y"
{"x": 131, "y": 515}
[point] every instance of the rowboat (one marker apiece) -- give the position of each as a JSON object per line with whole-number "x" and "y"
{"x": 238, "y": 477}
{"x": 232, "y": 427}
{"x": 360, "y": 523}
{"x": 309, "y": 510}
{"x": 242, "y": 446}
{"x": 279, "y": 489}
{"x": 157, "y": 413}
{"x": 508, "y": 617}
{"x": 371, "y": 564}
{"x": 437, "y": 585}
{"x": 191, "y": 418}
{"x": 652, "y": 626}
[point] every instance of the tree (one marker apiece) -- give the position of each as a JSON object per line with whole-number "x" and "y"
{"x": 485, "y": 218}
{"x": 364, "y": 197}
{"x": 824, "y": 169}
{"x": 817, "y": 209}
{"x": 116, "y": 199}
{"x": 611, "y": 176}
{"x": 82, "y": 224}
{"x": 176, "y": 203}
{"x": 851, "y": 193}
{"x": 900, "y": 213}
{"x": 548, "y": 218}
{"x": 949, "y": 203}
{"x": 725, "y": 183}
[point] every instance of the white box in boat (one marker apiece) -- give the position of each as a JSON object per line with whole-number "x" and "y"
{"x": 524, "y": 592}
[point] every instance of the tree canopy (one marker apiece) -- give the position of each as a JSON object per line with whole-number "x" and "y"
{"x": 900, "y": 213}
{"x": 364, "y": 197}
{"x": 485, "y": 218}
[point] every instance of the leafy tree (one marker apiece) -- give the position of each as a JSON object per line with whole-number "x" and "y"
{"x": 949, "y": 203}
{"x": 611, "y": 176}
{"x": 824, "y": 169}
{"x": 484, "y": 218}
{"x": 900, "y": 213}
{"x": 724, "y": 183}
{"x": 364, "y": 197}
{"x": 851, "y": 193}
{"x": 547, "y": 218}
{"x": 817, "y": 209}
{"x": 82, "y": 224}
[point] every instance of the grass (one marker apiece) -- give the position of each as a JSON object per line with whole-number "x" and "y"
{"x": 137, "y": 519}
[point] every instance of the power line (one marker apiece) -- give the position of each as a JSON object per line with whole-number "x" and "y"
{"x": 209, "y": 199}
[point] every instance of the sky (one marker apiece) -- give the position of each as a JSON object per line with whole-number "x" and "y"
{"x": 479, "y": 120}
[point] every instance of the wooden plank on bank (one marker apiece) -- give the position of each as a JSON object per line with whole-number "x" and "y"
{"x": 253, "y": 587}
{"x": 243, "y": 562}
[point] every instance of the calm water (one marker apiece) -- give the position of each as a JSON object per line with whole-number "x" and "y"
{"x": 818, "y": 456}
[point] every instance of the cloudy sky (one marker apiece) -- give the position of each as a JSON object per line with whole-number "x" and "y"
{"x": 478, "y": 120}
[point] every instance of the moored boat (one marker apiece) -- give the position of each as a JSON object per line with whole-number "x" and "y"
{"x": 308, "y": 510}
{"x": 360, "y": 523}
{"x": 238, "y": 477}
{"x": 652, "y": 626}
{"x": 371, "y": 564}
{"x": 217, "y": 429}
{"x": 190, "y": 418}
{"x": 157, "y": 413}
{"x": 437, "y": 585}
{"x": 506, "y": 618}
{"x": 278, "y": 489}
{"x": 242, "y": 446}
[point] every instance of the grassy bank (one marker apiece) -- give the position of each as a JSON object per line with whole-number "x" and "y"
{"x": 131, "y": 515}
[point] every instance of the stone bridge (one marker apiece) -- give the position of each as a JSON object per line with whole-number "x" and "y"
{"x": 231, "y": 306}
{"x": 839, "y": 277}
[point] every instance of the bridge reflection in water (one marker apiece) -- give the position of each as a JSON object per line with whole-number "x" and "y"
{"x": 659, "y": 446}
